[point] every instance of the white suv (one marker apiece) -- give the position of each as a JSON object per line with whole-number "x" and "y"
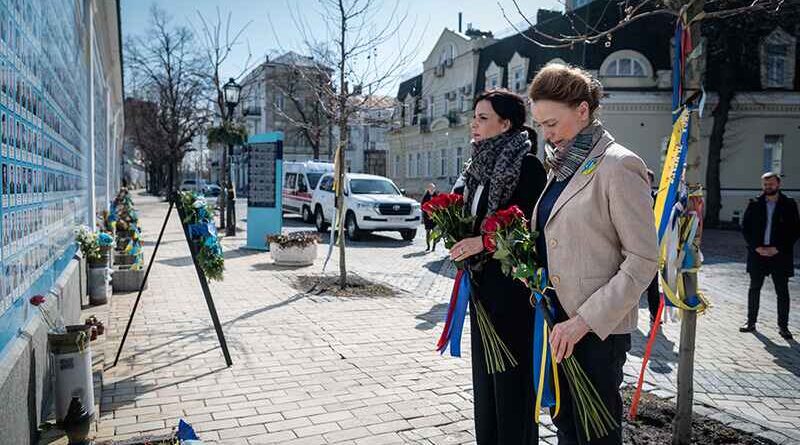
{"x": 373, "y": 204}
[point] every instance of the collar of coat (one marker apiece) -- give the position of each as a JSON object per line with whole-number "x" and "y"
{"x": 580, "y": 179}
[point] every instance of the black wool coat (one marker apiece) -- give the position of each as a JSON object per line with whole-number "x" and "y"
{"x": 785, "y": 231}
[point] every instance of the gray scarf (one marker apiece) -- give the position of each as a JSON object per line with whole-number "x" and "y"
{"x": 564, "y": 161}
{"x": 496, "y": 164}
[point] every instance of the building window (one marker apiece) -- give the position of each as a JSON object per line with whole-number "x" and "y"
{"x": 446, "y": 106}
{"x": 459, "y": 159}
{"x": 443, "y": 162}
{"x": 428, "y": 163}
{"x": 776, "y": 65}
{"x": 396, "y": 167}
{"x": 279, "y": 101}
{"x": 777, "y": 52}
{"x": 420, "y": 166}
{"x": 773, "y": 153}
{"x": 448, "y": 53}
{"x": 409, "y": 166}
{"x": 519, "y": 78}
{"x": 625, "y": 67}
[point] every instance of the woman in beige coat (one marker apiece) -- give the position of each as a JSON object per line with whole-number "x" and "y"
{"x": 597, "y": 237}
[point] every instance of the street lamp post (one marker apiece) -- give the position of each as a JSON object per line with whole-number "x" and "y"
{"x": 231, "y": 91}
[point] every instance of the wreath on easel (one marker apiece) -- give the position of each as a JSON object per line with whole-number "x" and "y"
{"x": 198, "y": 217}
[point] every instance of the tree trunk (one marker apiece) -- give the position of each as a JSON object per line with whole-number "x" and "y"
{"x": 223, "y": 178}
{"x": 342, "y": 143}
{"x": 682, "y": 426}
{"x": 715, "y": 146}
{"x": 171, "y": 176}
{"x": 230, "y": 204}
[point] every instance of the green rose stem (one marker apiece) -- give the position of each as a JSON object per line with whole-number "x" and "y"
{"x": 496, "y": 353}
{"x": 589, "y": 405}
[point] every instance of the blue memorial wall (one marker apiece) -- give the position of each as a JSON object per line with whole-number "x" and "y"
{"x": 45, "y": 110}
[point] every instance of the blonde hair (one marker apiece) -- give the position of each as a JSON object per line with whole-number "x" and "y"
{"x": 566, "y": 84}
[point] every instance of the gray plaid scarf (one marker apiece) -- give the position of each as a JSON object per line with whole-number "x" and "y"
{"x": 496, "y": 164}
{"x": 564, "y": 161}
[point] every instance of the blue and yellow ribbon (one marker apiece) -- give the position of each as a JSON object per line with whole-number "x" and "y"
{"x": 545, "y": 370}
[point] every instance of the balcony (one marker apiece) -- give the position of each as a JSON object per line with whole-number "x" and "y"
{"x": 453, "y": 118}
{"x": 424, "y": 124}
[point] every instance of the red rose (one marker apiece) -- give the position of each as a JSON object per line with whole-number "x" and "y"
{"x": 516, "y": 212}
{"x": 438, "y": 202}
{"x": 489, "y": 243}
{"x": 491, "y": 225}
{"x": 504, "y": 217}
{"x": 36, "y": 300}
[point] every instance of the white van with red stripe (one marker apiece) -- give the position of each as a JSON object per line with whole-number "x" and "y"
{"x": 299, "y": 180}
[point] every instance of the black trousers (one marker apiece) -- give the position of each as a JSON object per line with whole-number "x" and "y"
{"x": 653, "y": 298}
{"x": 781, "y": 283}
{"x": 602, "y": 360}
{"x": 503, "y": 402}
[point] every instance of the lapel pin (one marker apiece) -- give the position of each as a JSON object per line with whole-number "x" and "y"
{"x": 589, "y": 167}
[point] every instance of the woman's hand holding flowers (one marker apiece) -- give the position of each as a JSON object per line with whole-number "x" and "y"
{"x": 565, "y": 335}
{"x": 466, "y": 248}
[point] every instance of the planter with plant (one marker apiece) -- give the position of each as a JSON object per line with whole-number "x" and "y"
{"x": 129, "y": 235}
{"x": 96, "y": 248}
{"x": 294, "y": 249}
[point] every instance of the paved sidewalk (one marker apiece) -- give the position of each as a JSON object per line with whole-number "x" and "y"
{"x": 317, "y": 370}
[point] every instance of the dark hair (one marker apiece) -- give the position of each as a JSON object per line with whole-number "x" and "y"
{"x": 507, "y": 105}
{"x": 566, "y": 84}
{"x": 511, "y": 106}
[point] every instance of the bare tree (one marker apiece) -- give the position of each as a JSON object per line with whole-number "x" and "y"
{"x": 165, "y": 63}
{"x": 349, "y": 44}
{"x": 298, "y": 82}
{"x": 142, "y": 129}
{"x": 219, "y": 40}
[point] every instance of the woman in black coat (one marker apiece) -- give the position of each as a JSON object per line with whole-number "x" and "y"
{"x": 502, "y": 172}
{"x": 430, "y": 192}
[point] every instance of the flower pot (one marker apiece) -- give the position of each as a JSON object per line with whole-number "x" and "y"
{"x": 99, "y": 278}
{"x": 293, "y": 255}
{"x": 124, "y": 259}
{"x": 72, "y": 360}
{"x": 127, "y": 279}
{"x": 106, "y": 253}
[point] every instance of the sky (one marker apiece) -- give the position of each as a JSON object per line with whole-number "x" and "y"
{"x": 271, "y": 25}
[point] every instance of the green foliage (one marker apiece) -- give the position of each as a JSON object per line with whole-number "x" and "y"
{"x": 294, "y": 239}
{"x": 228, "y": 134}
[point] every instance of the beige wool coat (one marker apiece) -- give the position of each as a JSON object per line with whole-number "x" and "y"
{"x": 601, "y": 239}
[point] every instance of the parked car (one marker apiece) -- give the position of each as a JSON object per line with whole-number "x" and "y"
{"x": 299, "y": 180}
{"x": 373, "y": 203}
{"x": 212, "y": 190}
{"x": 191, "y": 185}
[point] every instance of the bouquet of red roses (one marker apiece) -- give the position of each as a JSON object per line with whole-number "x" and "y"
{"x": 508, "y": 237}
{"x": 454, "y": 223}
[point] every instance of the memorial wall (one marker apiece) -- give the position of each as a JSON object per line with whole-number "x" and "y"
{"x": 60, "y": 139}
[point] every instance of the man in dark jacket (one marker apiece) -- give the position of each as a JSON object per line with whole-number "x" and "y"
{"x": 771, "y": 226}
